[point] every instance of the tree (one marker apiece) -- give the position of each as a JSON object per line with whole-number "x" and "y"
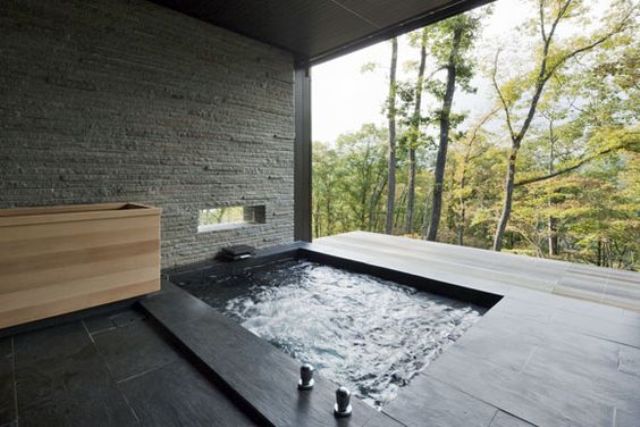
{"x": 391, "y": 116}
{"x": 576, "y": 194}
{"x": 414, "y": 135}
{"x": 454, "y": 38}
{"x": 325, "y": 189}
{"x": 551, "y": 59}
{"x": 360, "y": 171}
{"x": 471, "y": 150}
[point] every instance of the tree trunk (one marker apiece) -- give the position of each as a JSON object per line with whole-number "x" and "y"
{"x": 399, "y": 213}
{"x": 411, "y": 191}
{"x": 329, "y": 219}
{"x": 316, "y": 219}
{"x": 375, "y": 199}
{"x": 426, "y": 216}
{"x": 508, "y": 200}
{"x": 463, "y": 214}
{"x": 552, "y": 222}
{"x": 463, "y": 200}
{"x": 415, "y": 123}
{"x": 391, "y": 114}
{"x": 445, "y": 124}
{"x": 553, "y": 236}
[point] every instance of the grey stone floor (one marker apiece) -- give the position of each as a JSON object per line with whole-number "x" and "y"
{"x": 555, "y": 351}
{"x": 537, "y": 357}
{"x": 112, "y": 370}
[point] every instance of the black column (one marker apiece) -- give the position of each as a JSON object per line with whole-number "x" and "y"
{"x": 302, "y": 155}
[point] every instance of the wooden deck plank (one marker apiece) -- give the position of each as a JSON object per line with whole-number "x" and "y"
{"x": 460, "y": 264}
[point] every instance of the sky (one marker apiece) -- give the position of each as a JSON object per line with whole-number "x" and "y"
{"x": 344, "y": 98}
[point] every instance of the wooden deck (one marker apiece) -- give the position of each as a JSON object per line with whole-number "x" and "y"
{"x": 460, "y": 265}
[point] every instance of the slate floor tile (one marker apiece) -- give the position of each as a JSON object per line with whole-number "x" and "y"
{"x": 108, "y": 321}
{"x": 383, "y": 420}
{"x": 89, "y": 410}
{"x": 428, "y": 401}
{"x": 99, "y": 323}
{"x": 571, "y": 376}
{"x": 502, "y": 419}
{"x": 611, "y": 330}
{"x": 135, "y": 349}
{"x": 587, "y": 271}
{"x": 523, "y": 310}
{"x": 488, "y": 343}
{"x": 6, "y": 346}
{"x": 54, "y": 342}
{"x": 631, "y": 318}
{"x": 128, "y": 317}
{"x": 7, "y": 389}
{"x": 594, "y": 310}
{"x": 625, "y": 418}
{"x": 79, "y": 382}
{"x": 533, "y": 398}
{"x": 62, "y": 380}
{"x": 632, "y": 278}
{"x": 629, "y": 301}
{"x": 580, "y": 287}
{"x": 585, "y": 352}
{"x": 179, "y": 395}
{"x": 630, "y": 361}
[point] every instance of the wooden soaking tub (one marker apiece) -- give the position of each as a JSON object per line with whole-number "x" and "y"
{"x": 59, "y": 259}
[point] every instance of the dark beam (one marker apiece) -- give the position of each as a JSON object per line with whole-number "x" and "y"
{"x": 302, "y": 155}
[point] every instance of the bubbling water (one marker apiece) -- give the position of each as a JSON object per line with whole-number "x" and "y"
{"x": 368, "y": 334}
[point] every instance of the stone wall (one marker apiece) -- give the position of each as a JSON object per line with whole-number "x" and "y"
{"x": 128, "y": 101}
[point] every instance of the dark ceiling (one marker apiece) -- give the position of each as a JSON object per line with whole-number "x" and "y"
{"x": 317, "y": 30}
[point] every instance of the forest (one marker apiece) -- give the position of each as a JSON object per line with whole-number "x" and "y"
{"x": 548, "y": 167}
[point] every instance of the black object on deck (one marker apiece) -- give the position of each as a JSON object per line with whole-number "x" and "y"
{"x": 237, "y": 252}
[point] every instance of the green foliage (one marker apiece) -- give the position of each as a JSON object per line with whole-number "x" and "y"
{"x": 349, "y": 181}
{"x": 577, "y": 189}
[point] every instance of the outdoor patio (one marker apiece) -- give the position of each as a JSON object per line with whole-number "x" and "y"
{"x": 536, "y": 358}
{"x": 128, "y": 119}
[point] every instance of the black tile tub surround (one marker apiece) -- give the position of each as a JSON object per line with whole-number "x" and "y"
{"x": 199, "y": 271}
{"x": 256, "y": 370}
{"x": 262, "y": 377}
{"x": 306, "y": 251}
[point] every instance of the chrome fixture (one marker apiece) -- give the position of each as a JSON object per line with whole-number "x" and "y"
{"x": 342, "y": 408}
{"x": 306, "y": 377}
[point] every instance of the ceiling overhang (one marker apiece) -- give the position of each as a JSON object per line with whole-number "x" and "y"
{"x": 319, "y": 30}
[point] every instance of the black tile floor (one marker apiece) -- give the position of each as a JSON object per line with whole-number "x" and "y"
{"x": 116, "y": 369}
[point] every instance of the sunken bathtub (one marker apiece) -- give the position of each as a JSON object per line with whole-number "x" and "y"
{"x": 369, "y": 328}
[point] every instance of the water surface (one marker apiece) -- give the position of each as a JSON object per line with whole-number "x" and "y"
{"x": 368, "y": 334}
